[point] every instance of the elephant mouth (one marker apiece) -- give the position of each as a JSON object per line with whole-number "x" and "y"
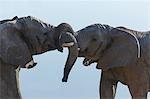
{"x": 87, "y": 62}
{"x": 68, "y": 44}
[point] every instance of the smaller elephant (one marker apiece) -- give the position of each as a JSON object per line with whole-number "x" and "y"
{"x": 20, "y": 39}
{"x": 122, "y": 54}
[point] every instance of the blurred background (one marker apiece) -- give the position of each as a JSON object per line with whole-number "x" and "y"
{"x": 44, "y": 81}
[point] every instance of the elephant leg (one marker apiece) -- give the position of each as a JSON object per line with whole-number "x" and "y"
{"x": 9, "y": 82}
{"x": 17, "y": 80}
{"x": 107, "y": 87}
{"x": 138, "y": 93}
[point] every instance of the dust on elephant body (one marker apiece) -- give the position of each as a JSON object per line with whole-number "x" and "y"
{"x": 122, "y": 54}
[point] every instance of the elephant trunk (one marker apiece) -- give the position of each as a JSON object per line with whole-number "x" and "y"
{"x": 72, "y": 56}
{"x": 68, "y": 40}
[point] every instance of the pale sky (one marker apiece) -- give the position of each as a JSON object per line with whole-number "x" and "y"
{"x": 44, "y": 81}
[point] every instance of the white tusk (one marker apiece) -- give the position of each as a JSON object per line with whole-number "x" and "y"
{"x": 79, "y": 49}
{"x": 68, "y": 44}
{"x": 29, "y": 64}
{"x": 87, "y": 62}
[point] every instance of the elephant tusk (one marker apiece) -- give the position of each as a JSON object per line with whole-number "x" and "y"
{"x": 68, "y": 44}
{"x": 79, "y": 49}
{"x": 87, "y": 62}
{"x": 29, "y": 64}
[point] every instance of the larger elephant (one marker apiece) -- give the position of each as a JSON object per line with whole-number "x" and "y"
{"x": 122, "y": 54}
{"x": 20, "y": 39}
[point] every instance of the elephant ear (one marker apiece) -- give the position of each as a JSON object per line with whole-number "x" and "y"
{"x": 122, "y": 51}
{"x": 13, "y": 49}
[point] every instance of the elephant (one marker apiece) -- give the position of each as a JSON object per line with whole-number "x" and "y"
{"x": 123, "y": 55}
{"x": 20, "y": 39}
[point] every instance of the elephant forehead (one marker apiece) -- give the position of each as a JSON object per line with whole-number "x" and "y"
{"x": 67, "y": 37}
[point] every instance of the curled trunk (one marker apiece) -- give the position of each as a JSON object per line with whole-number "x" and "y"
{"x": 68, "y": 40}
{"x": 72, "y": 56}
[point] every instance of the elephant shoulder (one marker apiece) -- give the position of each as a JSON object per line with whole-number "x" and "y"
{"x": 13, "y": 49}
{"x": 8, "y": 27}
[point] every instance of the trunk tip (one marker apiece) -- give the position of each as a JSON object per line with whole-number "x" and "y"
{"x": 64, "y": 80}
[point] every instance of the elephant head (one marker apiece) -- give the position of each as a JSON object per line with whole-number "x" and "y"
{"x": 61, "y": 28}
{"x": 117, "y": 47}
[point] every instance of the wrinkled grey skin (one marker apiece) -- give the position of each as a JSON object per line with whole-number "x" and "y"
{"x": 115, "y": 52}
{"x": 20, "y": 39}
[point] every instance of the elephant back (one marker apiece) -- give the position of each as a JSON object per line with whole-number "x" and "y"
{"x": 3, "y": 21}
